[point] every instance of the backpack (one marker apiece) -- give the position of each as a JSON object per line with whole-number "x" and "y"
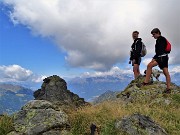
{"x": 168, "y": 47}
{"x": 144, "y": 50}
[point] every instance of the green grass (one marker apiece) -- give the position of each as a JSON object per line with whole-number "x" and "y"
{"x": 176, "y": 98}
{"x": 6, "y": 124}
{"x": 105, "y": 114}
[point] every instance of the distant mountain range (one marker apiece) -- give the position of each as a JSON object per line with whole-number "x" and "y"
{"x": 13, "y": 97}
{"x": 108, "y": 95}
{"x": 175, "y": 78}
{"x": 91, "y": 87}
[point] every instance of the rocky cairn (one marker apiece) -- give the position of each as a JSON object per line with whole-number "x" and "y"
{"x": 54, "y": 89}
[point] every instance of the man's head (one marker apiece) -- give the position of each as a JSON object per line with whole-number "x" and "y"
{"x": 156, "y": 33}
{"x": 135, "y": 34}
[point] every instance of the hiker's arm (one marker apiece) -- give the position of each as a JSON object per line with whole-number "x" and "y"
{"x": 131, "y": 55}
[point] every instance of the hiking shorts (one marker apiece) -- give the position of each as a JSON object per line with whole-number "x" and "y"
{"x": 137, "y": 61}
{"x": 162, "y": 61}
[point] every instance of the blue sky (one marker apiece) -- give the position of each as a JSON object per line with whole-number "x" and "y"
{"x": 19, "y": 46}
{"x": 42, "y": 38}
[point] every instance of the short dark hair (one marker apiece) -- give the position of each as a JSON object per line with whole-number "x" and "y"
{"x": 135, "y": 32}
{"x": 156, "y": 30}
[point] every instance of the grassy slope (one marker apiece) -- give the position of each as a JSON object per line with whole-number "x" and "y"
{"x": 104, "y": 115}
{"x": 163, "y": 109}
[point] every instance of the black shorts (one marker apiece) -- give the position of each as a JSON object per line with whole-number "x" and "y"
{"x": 137, "y": 61}
{"x": 162, "y": 61}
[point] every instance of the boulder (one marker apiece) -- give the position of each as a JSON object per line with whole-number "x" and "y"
{"x": 138, "y": 124}
{"x": 38, "y": 117}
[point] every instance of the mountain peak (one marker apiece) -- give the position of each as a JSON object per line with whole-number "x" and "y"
{"x": 54, "y": 89}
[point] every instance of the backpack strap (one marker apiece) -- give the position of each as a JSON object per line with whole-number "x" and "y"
{"x": 135, "y": 44}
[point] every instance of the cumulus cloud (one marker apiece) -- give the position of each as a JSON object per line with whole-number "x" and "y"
{"x": 16, "y": 73}
{"x": 38, "y": 78}
{"x": 97, "y": 34}
{"x": 175, "y": 69}
{"x": 146, "y": 61}
{"x": 114, "y": 71}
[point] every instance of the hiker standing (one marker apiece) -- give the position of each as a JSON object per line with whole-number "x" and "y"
{"x": 135, "y": 53}
{"x": 161, "y": 58}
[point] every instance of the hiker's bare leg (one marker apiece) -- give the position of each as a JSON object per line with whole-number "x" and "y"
{"x": 149, "y": 70}
{"x": 168, "y": 78}
{"x": 136, "y": 70}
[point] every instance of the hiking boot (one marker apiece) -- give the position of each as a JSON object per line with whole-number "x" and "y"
{"x": 167, "y": 91}
{"x": 143, "y": 84}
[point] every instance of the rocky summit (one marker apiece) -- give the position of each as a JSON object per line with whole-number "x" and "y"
{"x": 54, "y": 89}
{"x": 152, "y": 93}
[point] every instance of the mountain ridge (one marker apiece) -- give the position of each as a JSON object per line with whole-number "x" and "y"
{"x": 13, "y": 97}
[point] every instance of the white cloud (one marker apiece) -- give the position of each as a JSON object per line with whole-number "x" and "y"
{"x": 175, "y": 69}
{"x": 146, "y": 61}
{"x": 97, "y": 34}
{"x": 113, "y": 71}
{"x": 16, "y": 73}
{"x": 38, "y": 78}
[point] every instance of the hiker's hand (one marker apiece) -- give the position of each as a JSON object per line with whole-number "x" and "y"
{"x": 133, "y": 61}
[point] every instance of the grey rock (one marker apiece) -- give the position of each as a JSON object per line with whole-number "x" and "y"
{"x": 14, "y": 133}
{"x": 52, "y": 132}
{"x": 57, "y": 132}
{"x": 36, "y": 119}
{"x": 166, "y": 101}
{"x": 38, "y": 104}
{"x": 138, "y": 124}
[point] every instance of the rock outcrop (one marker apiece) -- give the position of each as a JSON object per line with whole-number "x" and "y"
{"x": 138, "y": 124}
{"x": 54, "y": 89}
{"x": 39, "y": 117}
{"x": 151, "y": 93}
